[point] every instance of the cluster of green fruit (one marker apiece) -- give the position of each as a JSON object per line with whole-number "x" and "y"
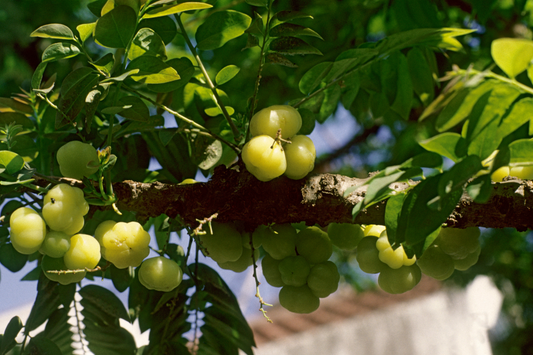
{"x": 276, "y": 148}
{"x": 67, "y": 254}
{"x": 298, "y": 263}
{"x": 230, "y": 248}
{"x": 452, "y": 249}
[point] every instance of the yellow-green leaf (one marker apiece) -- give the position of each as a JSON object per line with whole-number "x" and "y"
{"x": 512, "y": 55}
{"x": 174, "y": 9}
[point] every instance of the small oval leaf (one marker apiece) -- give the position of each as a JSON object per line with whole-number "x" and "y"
{"x": 116, "y": 28}
{"x": 10, "y": 161}
{"x": 220, "y": 28}
{"x": 175, "y": 9}
{"x": 60, "y": 50}
{"x": 512, "y": 55}
{"x": 292, "y": 46}
{"x": 53, "y": 30}
{"x": 226, "y": 74}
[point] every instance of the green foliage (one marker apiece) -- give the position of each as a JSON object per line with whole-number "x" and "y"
{"x": 117, "y": 80}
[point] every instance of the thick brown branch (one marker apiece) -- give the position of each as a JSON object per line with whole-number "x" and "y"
{"x": 236, "y": 195}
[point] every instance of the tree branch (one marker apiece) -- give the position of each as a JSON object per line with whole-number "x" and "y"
{"x": 237, "y": 196}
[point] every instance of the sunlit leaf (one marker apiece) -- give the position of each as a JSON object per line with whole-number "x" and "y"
{"x": 10, "y": 161}
{"x": 147, "y": 42}
{"x": 513, "y": 55}
{"x": 220, "y": 28}
{"x": 175, "y": 9}
{"x": 448, "y": 144}
{"x": 116, "y": 28}
{"x": 60, "y": 50}
{"x": 86, "y": 30}
{"x": 152, "y": 70}
{"x": 53, "y": 30}
{"x": 226, "y": 74}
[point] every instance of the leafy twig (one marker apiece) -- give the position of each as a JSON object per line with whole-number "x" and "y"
{"x": 218, "y": 100}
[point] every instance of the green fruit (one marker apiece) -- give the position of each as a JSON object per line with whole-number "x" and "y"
{"x": 280, "y": 241}
{"x": 123, "y": 244}
{"x": 270, "y": 267}
{"x": 300, "y": 155}
{"x": 345, "y": 236}
{"x": 160, "y": 274}
{"x": 298, "y": 299}
{"x": 522, "y": 172}
{"x": 374, "y": 230}
{"x": 264, "y": 158}
{"x": 367, "y": 256}
{"x": 313, "y": 244}
{"x": 77, "y": 159}
{"x": 225, "y": 244}
{"x": 64, "y": 207}
{"x": 84, "y": 252}
{"x": 466, "y": 263}
{"x": 56, "y": 264}
{"x": 458, "y": 243}
{"x": 294, "y": 270}
{"x": 269, "y": 120}
{"x": 399, "y": 280}
{"x": 257, "y": 238}
{"x": 436, "y": 263}
{"x": 55, "y": 244}
{"x": 394, "y": 258}
{"x": 242, "y": 263}
{"x": 28, "y": 230}
{"x": 323, "y": 279}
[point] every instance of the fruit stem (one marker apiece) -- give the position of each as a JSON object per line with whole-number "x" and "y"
{"x": 236, "y": 134}
{"x": 257, "y": 283}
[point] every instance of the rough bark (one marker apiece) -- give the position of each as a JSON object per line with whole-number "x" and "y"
{"x": 237, "y": 196}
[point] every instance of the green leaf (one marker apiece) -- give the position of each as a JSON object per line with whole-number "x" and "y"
{"x": 292, "y": 46}
{"x": 278, "y": 59}
{"x": 288, "y": 16}
{"x": 96, "y": 7}
{"x": 163, "y": 26}
{"x": 215, "y": 111}
{"x": 183, "y": 67}
{"x": 521, "y": 113}
{"x": 448, "y": 144}
{"x": 86, "y": 30}
{"x": 174, "y": 156}
{"x": 73, "y": 92}
{"x": 378, "y": 186}
{"x": 349, "y": 60}
{"x": 12, "y": 329}
{"x": 152, "y": 70}
{"x": 50, "y": 295}
{"x": 105, "y": 64}
{"x": 60, "y": 50}
{"x": 404, "y": 89}
{"x": 421, "y": 201}
{"x": 10, "y": 162}
{"x": 41, "y": 345}
{"x": 482, "y": 134}
{"x": 308, "y": 121}
{"x": 461, "y": 104}
{"x": 289, "y": 29}
{"x": 256, "y": 28}
{"x": 12, "y": 259}
{"x": 116, "y": 28}
{"x": 480, "y": 188}
{"x": 206, "y": 152}
{"x": 104, "y": 301}
{"x": 37, "y": 77}
{"x": 220, "y": 28}
{"x": 513, "y": 55}
{"x": 14, "y": 105}
{"x": 423, "y": 160}
{"x": 393, "y": 209}
{"x": 121, "y": 278}
{"x": 262, "y": 3}
{"x": 314, "y": 76}
{"x": 58, "y": 330}
{"x": 521, "y": 152}
{"x": 226, "y": 74}
{"x": 136, "y": 109}
{"x": 53, "y": 30}
{"x": 459, "y": 174}
{"x": 175, "y": 9}
{"x": 332, "y": 96}
{"x": 120, "y": 77}
{"x": 16, "y": 118}
{"x": 147, "y": 42}
{"x": 421, "y": 75}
